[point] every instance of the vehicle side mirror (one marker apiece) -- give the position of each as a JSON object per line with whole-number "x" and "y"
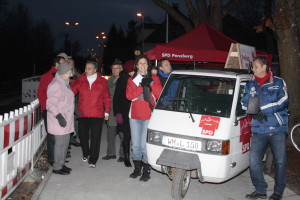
{"x": 253, "y": 106}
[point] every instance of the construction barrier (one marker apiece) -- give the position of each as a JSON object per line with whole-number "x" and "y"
{"x": 29, "y": 88}
{"x": 22, "y": 141}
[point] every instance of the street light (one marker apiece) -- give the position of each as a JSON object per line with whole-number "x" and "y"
{"x": 101, "y": 38}
{"x": 139, "y": 14}
{"x": 71, "y": 25}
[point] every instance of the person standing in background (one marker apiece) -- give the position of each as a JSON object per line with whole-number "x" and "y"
{"x": 164, "y": 70}
{"x": 121, "y": 106}
{"x": 116, "y": 68}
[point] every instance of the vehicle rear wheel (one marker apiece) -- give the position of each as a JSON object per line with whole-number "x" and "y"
{"x": 180, "y": 184}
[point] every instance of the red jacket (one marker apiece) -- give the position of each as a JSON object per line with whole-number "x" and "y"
{"x": 140, "y": 109}
{"x": 43, "y": 86}
{"x": 95, "y": 101}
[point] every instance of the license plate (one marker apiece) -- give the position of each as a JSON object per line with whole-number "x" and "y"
{"x": 191, "y": 145}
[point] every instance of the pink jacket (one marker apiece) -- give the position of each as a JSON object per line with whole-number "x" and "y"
{"x": 60, "y": 100}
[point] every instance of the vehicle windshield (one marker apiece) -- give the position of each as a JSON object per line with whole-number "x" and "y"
{"x": 198, "y": 94}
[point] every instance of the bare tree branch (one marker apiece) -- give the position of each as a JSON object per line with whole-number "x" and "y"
{"x": 175, "y": 14}
{"x": 230, "y": 6}
{"x": 193, "y": 12}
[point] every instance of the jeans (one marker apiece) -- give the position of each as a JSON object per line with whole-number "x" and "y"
{"x": 138, "y": 139}
{"x": 259, "y": 143}
{"x": 111, "y": 141}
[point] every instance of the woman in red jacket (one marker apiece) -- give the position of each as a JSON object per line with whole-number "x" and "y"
{"x": 93, "y": 105}
{"x": 142, "y": 89}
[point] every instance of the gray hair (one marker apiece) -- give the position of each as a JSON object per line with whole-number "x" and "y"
{"x": 95, "y": 64}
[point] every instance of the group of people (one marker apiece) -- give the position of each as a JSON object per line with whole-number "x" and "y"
{"x": 125, "y": 101}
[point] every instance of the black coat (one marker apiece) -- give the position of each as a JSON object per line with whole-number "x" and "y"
{"x": 120, "y": 103}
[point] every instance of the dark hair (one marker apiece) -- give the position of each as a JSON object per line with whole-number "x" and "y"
{"x": 56, "y": 60}
{"x": 149, "y": 74}
{"x": 95, "y": 64}
{"x": 160, "y": 62}
{"x": 263, "y": 61}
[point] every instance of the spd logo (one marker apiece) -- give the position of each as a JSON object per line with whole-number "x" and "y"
{"x": 209, "y": 124}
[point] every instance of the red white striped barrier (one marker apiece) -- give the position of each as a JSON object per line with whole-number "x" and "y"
{"x": 22, "y": 140}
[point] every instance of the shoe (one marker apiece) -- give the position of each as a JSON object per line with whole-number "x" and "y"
{"x": 255, "y": 195}
{"x": 51, "y": 163}
{"x": 109, "y": 157}
{"x": 127, "y": 161}
{"x": 64, "y": 167}
{"x": 75, "y": 144}
{"x": 92, "y": 165}
{"x": 121, "y": 159}
{"x": 68, "y": 156}
{"x": 275, "y": 196}
{"x": 61, "y": 172}
{"x": 84, "y": 159}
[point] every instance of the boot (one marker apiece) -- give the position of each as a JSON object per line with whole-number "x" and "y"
{"x": 137, "y": 169}
{"x": 146, "y": 172}
{"x": 126, "y": 154}
{"x": 127, "y": 161}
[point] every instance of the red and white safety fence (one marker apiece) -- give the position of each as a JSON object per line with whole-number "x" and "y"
{"x": 22, "y": 141}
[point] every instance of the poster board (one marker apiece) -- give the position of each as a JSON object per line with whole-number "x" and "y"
{"x": 240, "y": 56}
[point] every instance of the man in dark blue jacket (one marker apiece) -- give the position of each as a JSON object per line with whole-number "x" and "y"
{"x": 269, "y": 127}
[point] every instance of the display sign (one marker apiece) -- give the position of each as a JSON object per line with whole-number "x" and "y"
{"x": 247, "y": 54}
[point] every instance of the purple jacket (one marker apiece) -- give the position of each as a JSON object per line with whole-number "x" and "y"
{"x": 60, "y": 100}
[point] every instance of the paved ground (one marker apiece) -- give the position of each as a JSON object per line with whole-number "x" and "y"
{"x": 110, "y": 180}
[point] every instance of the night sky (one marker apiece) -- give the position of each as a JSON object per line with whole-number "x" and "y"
{"x": 94, "y": 16}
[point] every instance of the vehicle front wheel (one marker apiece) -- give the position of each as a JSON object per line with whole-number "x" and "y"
{"x": 180, "y": 184}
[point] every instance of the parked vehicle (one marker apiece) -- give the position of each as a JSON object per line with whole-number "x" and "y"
{"x": 198, "y": 128}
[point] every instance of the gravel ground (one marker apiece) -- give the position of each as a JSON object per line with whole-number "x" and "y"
{"x": 27, "y": 189}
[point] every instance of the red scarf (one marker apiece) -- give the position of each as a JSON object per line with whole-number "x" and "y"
{"x": 264, "y": 79}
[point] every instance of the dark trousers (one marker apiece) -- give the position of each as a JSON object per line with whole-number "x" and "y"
{"x": 125, "y": 129}
{"x": 85, "y": 127}
{"x": 50, "y": 140}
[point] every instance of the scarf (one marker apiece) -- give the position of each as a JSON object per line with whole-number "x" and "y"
{"x": 264, "y": 79}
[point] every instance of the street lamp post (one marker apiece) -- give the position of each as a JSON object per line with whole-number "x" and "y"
{"x": 139, "y": 14}
{"x": 101, "y": 38}
{"x": 71, "y": 25}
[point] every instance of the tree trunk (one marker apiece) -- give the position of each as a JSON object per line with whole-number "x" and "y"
{"x": 202, "y": 10}
{"x": 297, "y": 7}
{"x": 288, "y": 49}
{"x": 216, "y": 14}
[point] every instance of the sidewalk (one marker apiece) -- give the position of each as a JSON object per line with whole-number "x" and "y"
{"x": 110, "y": 180}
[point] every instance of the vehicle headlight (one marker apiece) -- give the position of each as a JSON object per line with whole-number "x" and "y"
{"x": 217, "y": 146}
{"x": 154, "y": 137}
{"x": 213, "y": 145}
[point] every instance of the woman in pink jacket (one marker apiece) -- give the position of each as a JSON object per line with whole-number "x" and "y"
{"x": 60, "y": 115}
{"x": 141, "y": 89}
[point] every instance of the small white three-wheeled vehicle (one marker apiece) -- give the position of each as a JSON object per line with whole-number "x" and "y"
{"x": 198, "y": 128}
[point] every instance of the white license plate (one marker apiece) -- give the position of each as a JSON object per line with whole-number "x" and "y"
{"x": 191, "y": 145}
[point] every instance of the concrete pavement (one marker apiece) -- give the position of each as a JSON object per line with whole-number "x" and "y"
{"x": 110, "y": 180}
